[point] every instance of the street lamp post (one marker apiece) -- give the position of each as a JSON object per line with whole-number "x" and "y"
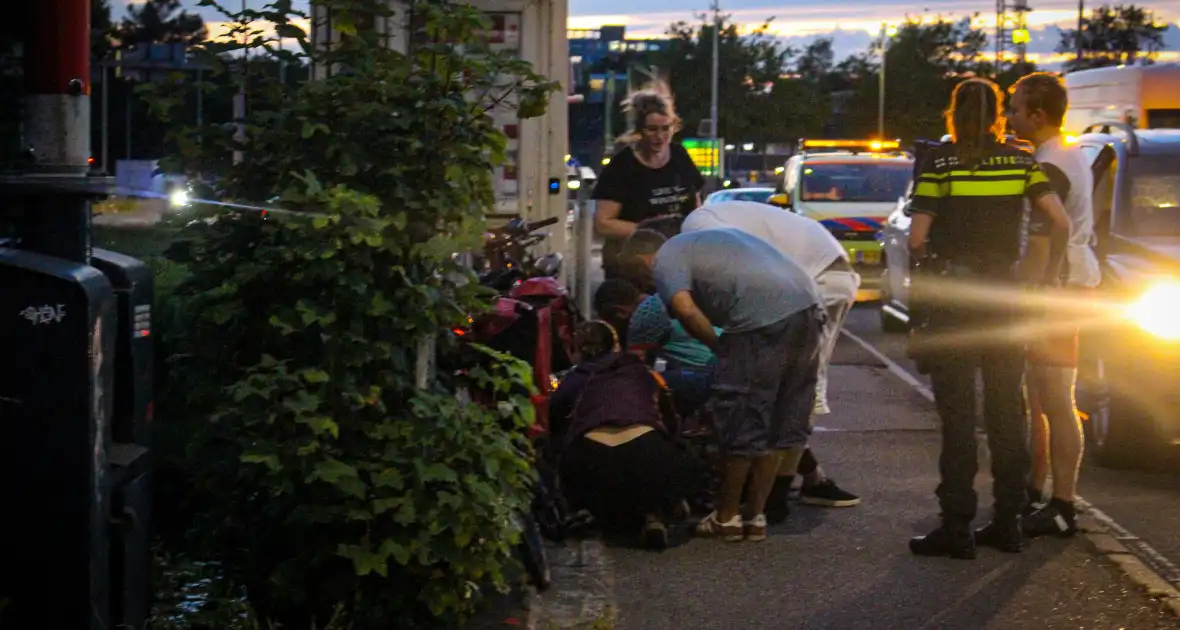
{"x": 887, "y": 32}
{"x": 715, "y": 149}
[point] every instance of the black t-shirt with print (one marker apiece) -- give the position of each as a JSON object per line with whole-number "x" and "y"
{"x": 644, "y": 192}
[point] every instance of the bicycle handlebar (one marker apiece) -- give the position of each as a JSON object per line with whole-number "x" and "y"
{"x": 533, "y": 226}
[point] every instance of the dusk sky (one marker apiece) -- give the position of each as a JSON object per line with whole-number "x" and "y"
{"x": 850, "y": 24}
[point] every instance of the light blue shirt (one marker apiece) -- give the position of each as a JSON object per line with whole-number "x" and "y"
{"x": 739, "y": 282}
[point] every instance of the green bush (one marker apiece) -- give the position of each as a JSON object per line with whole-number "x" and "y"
{"x": 314, "y": 471}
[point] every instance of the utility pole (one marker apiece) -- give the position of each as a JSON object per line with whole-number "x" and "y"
{"x": 106, "y": 118}
{"x": 887, "y": 34}
{"x": 881, "y": 86}
{"x": 608, "y": 125}
{"x": 1081, "y": 23}
{"x": 240, "y": 99}
{"x": 715, "y": 147}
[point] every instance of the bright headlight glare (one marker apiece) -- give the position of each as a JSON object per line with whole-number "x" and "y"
{"x": 575, "y": 184}
{"x": 1155, "y": 310}
{"x": 179, "y": 198}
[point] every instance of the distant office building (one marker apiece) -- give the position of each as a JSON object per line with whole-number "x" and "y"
{"x": 594, "y": 54}
{"x": 595, "y": 51}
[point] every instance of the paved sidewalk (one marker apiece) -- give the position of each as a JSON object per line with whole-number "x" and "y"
{"x": 850, "y": 568}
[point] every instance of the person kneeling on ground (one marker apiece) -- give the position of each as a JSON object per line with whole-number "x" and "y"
{"x": 767, "y": 358}
{"x": 617, "y": 459}
{"x": 614, "y": 301}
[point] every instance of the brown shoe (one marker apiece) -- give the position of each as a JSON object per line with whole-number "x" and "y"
{"x": 710, "y": 527}
{"x": 755, "y": 528}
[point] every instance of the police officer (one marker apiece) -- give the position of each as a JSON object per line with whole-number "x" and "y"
{"x": 968, "y": 217}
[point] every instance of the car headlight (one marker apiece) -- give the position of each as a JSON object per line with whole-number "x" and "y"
{"x": 178, "y": 198}
{"x": 1155, "y": 310}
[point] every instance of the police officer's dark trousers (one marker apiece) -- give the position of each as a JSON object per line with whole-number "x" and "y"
{"x": 983, "y": 338}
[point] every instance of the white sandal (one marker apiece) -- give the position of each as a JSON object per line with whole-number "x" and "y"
{"x": 710, "y": 527}
{"x": 755, "y": 528}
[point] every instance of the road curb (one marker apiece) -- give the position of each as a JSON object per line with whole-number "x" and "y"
{"x": 1107, "y": 543}
{"x": 582, "y": 595}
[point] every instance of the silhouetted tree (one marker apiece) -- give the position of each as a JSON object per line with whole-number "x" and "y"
{"x": 1110, "y": 36}
{"x": 162, "y": 22}
{"x": 102, "y": 29}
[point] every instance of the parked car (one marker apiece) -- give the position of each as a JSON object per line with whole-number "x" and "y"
{"x": 761, "y": 195}
{"x": 895, "y": 262}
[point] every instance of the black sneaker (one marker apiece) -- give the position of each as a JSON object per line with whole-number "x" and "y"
{"x": 655, "y": 536}
{"x": 778, "y": 506}
{"x": 1002, "y": 534}
{"x": 826, "y": 493}
{"x": 954, "y": 540}
{"x": 1056, "y": 519}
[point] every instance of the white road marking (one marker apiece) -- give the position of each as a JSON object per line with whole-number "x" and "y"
{"x": 1154, "y": 560}
{"x": 892, "y": 366}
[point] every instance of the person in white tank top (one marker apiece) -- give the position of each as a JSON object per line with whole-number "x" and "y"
{"x": 1036, "y": 111}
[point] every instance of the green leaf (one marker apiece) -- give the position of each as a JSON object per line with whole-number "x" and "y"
{"x": 399, "y": 553}
{"x": 301, "y": 402}
{"x": 340, "y": 475}
{"x": 439, "y": 472}
{"x": 270, "y": 461}
{"x": 289, "y": 31}
{"x": 399, "y": 220}
{"x": 381, "y": 506}
{"x": 283, "y": 327}
{"x": 364, "y": 561}
{"x": 388, "y": 478}
{"x": 333, "y": 471}
{"x": 314, "y": 376}
{"x": 222, "y": 313}
{"x": 324, "y": 424}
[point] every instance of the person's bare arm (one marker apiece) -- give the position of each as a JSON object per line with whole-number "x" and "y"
{"x": 694, "y": 321}
{"x": 919, "y": 231}
{"x": 1036, "y": 260}
{"x": 607, "y": 222}
{"x": 1044, "y": 255}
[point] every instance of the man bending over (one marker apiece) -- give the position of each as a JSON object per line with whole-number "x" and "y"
{"x": 769, "y": 310}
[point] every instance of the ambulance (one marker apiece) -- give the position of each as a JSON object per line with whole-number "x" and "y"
{"x": 851, "y": 187}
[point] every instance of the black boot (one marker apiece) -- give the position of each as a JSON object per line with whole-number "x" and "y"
{"x": 1058, "y": 518}
{"x": 1035, "y": 501}
{"x": 953, "y": 538}
{"x": 1002, "y": 533}
{"x": 778, "y": 504}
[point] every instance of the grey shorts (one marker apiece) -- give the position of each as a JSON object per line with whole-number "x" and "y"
{"x": 764, "y": 389}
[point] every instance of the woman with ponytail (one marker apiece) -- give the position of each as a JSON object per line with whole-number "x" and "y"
{"x": 968, "y": 222}
{"x": 650, "y": 177}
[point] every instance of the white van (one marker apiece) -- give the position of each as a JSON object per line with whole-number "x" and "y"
{"x": 1147, "y": 97}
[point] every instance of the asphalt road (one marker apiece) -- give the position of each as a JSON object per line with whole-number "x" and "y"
{"x": 850, "y": 568}
{"x": 1146, "y": 504}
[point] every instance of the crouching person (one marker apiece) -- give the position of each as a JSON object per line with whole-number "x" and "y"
{"x": 618, "y": 460}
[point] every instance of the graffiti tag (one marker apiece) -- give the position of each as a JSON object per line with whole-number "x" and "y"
{"x": 44, "y": 314}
